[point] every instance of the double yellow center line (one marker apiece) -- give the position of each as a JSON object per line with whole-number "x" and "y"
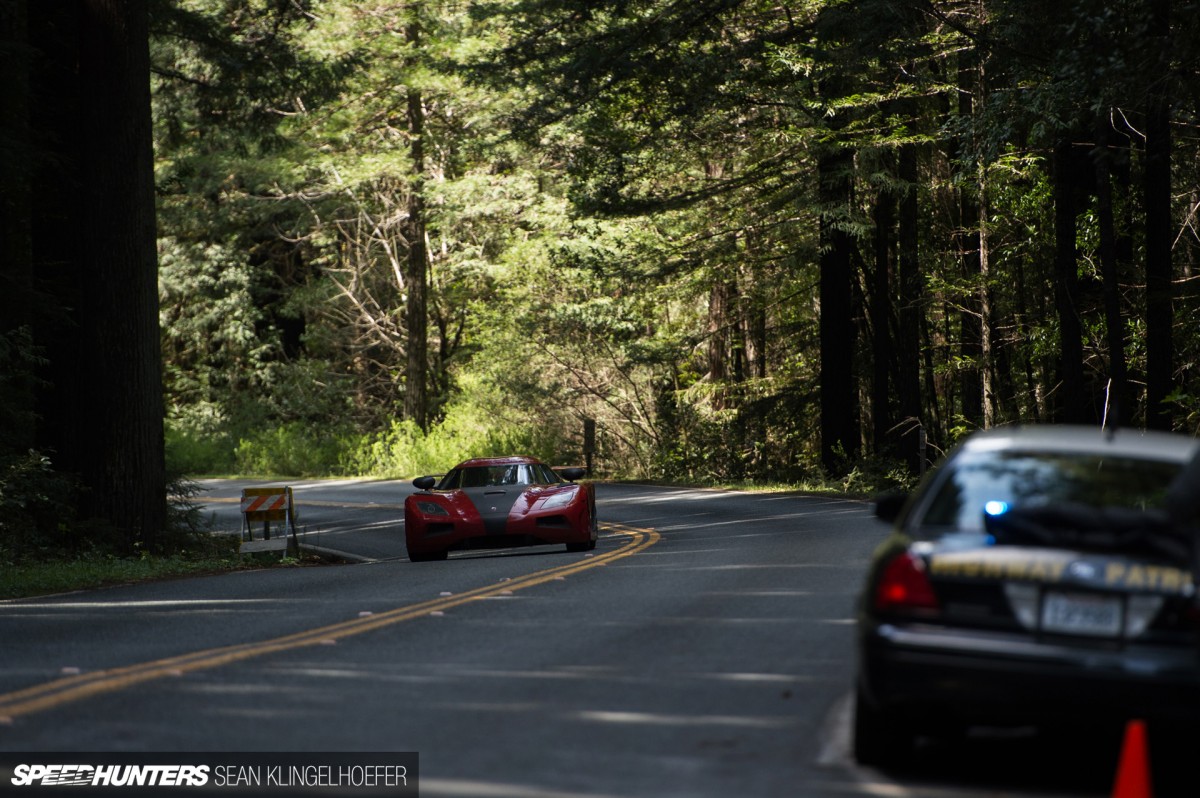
{"x": 78, "y": 687}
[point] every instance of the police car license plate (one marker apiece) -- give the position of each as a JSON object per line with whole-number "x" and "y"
{"x": 1081, "y": 614}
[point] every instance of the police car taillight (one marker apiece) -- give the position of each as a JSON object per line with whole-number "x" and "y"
{"x": 904, "y": 585}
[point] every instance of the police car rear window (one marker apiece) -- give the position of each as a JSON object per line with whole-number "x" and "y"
{"x": 991, "y": 482}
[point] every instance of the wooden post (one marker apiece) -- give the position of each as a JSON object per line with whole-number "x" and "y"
{"x": 589, "y": 442}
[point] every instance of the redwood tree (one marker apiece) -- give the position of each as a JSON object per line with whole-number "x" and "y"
{"x": 94, "y": 254}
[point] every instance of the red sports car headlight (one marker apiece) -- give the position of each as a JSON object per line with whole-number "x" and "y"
{"x": 432, "y": 508}
{"x": 559, "y": 499}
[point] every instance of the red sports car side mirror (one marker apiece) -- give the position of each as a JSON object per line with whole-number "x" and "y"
{"x": 572, "y": 474}
{"x": 424, "y": 483}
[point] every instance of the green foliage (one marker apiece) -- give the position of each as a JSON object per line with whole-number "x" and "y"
{"x": 36, "y": 515}
{"x": 607, "y": 244}
{"x": 473, "y": 427}
{"x": 874, "y": 475}
{"x": 405, "y": 451}
{"x": 56, "y": 572}
{"x": 189, "y": 452}
{"x": 36, "y": 501}
{"x": 292, "y": 449}
{"x": 19, "y": 360}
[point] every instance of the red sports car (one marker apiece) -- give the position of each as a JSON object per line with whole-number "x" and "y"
{"x": 498, "y": 502}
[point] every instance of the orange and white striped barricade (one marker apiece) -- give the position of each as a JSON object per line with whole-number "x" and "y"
{"x": 266, "y": 505}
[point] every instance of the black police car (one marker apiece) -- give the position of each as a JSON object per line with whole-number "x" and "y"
{"x": 1039, "y": 575}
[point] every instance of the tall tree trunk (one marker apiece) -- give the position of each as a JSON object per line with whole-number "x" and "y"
{"x": 970, "y": 317}
{"x": 753, "y": 309}
{"x": 987, "y": 358}
{"x": 967, "y": 239}
{"x": 1066, "y": 281}
{"x": 720, "y": 310}
{"x": 1160, "y": 355}
{"x": 16, "y": 243}
{"x": 881, "y": 312}
{"x": 839, "y": 424}
{"x": 96, "y": 240}
{"x": 1118, "y": 412}
{"x": 756, "y": 312}
{"x": 416, "y": 311}
{"x": 938, "y": 416}
{"x": 911, "y": 309}
{"x": 16, "y": 249}
{"x": 737, "y": 338}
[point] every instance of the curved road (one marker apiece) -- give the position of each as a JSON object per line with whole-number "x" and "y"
{"x": 703, "y": 649}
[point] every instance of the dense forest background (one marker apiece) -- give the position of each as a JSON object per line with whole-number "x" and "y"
{"x": 761, "y": 241}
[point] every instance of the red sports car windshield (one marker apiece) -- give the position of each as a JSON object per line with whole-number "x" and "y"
{"x": 484, "y": 476}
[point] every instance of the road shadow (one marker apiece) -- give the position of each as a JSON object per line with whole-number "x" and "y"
{"x": 553, "y": 550}
{"x": 1075, "y": 759}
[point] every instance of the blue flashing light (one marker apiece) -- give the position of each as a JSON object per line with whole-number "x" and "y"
{"x": 995, "y": 507}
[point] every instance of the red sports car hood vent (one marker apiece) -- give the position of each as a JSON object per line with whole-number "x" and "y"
{"x": 494, "y": 505}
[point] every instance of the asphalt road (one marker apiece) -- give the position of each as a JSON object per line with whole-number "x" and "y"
{"x": 704, "y": 649}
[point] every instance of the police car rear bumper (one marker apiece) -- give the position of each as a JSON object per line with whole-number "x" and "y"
{"x": 928, "y": 673}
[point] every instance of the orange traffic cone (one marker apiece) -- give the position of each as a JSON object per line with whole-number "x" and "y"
{"x": 1133, "y": 771}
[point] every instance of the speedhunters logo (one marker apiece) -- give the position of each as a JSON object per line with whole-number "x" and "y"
{"x": 160, "y": 774}
{"x": 110, "y": 775}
